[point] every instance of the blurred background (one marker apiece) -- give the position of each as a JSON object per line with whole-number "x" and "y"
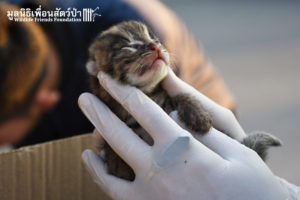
{"x": 256, "y": 47}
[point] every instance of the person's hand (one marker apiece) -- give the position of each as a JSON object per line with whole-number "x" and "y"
{"x": 177, "y": 166}
{"x": 223, "y": 118}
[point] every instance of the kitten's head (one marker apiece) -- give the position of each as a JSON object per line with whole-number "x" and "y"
{"x": 131, "y": 54}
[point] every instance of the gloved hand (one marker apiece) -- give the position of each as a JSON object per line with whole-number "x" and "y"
{"x": 177, "y": 166}
{"x": 223, "y": 119}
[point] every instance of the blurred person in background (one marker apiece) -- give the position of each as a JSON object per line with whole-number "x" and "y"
{"x": 42, "y": 69}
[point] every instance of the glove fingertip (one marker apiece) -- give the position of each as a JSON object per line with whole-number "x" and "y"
{"x": 86, "y": 155}
{"x": 174, "y": 115}
{"x": 93, "y": 164}
{"x": 116, "y": 188}
{"x": 83, "y": 99}
{"x": 171, "y": 84}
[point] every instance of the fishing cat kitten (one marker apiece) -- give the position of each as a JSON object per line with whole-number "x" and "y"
{"x": 131, "y": 54}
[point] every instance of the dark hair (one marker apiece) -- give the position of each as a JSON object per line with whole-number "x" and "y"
{"x": 62, "y": 38}
{"x": 23, "y": 53}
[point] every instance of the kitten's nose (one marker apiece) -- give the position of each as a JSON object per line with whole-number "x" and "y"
{"x": 153, "y": 47}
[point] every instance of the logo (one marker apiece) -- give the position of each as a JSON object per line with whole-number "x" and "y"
{"x": 57, "y": 15}
{"x": 89, "y": 14}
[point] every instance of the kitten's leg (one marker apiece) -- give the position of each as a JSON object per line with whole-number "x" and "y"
{"x": 116, "y": 166}
{"x": 260, "y": 142}
{"x": 192, "y": 113}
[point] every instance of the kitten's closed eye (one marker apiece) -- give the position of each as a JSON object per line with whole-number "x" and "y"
{"x": 132, "y": 49}
{"x": 133, "y": 45}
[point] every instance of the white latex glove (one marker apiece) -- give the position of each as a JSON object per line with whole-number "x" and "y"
{"x": 177, "y": 166}
{"x": 223, "y": 119}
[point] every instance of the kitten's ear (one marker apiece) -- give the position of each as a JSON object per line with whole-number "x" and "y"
{"x": 91, "y": 68}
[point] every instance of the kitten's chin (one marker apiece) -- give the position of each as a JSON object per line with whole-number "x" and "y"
{"x": 149, "y": 80}
{"x": 157, "y": 63}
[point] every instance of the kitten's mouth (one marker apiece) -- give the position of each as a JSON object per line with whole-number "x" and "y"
{"x": 156, "y": 63}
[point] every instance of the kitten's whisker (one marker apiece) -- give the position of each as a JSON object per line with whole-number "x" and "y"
{"x": 172, "y": 54}
{"x": 173, "y": 61}
{"x": 139, "y": 61}
{"x": 146, "y": 54}
{"x": 173, "y": 58}
{"x": 139, "y": 68}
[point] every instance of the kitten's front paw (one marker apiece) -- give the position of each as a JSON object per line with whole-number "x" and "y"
{"x": 192, "y": 114}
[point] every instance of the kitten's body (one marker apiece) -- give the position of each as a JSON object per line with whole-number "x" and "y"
{"x": 131, "y": 54}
